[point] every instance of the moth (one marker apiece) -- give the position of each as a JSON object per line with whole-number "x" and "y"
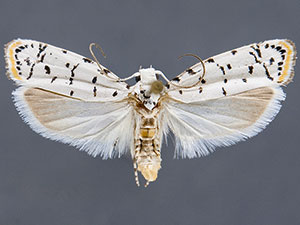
{"x": 217, "y": 102}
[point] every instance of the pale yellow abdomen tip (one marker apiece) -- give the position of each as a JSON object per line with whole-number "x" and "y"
{"x": 149, "y": 171}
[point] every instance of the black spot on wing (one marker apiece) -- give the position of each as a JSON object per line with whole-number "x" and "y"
{"x": 27, "y": 60}
{"x": 210, "y": 60}
{"x": 225, "y": 81}
{"x": 224, "y": 92}
{"x": 266, "y": 45}
{"x": 106, "y": 71}
{"x": 74, "y": 68}
{"x": 203, "y": 81}
{"x": 43, "y": 57}
{"x": 95, "y": 91}
{"x": 282, "y": 51}
{"x": 115, "y": 94}
{"x": 200, "y": 90}
{"x": 180, "y": 92}
{"x": 267, "y": 72}
{"x": 222, "y": 69}
{"x": 233, "y": 52}
{"x": 94, "y": 80}
{"x": 71, "y": 81}
{"x": 71, "y": 93}
{"x": 255, "y": 57}
{"x": 244, "y": 80}
{"x": 190, "y": 71}
{"x": 67, "y": 65}
{"x": 53, "y": 79}
{"x": 64, "y": 51}
{"x": 229, "y": 66}
{"x": 177, "y": 79}
{"x": 250, "y": 69}
{"x": 31, "y": 71}
{"x": 41, "y": 49}
{"x": 257, "y": 51}
{"x": 47, "y": 68}
{"x": 86, "y": 60}
{"x": 271, "y": 60}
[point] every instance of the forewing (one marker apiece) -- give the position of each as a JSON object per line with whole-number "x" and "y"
{"x": 64, "y": 97}
{"x": 239, "y": 96}
{"x": 269, "y": 63}
{"x": 37, "y": 64}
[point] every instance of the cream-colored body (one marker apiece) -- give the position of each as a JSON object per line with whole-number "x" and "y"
{"x": 147, "y": 144}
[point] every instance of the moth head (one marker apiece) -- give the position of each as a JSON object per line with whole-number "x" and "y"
{"x": 149, "y": 171}
{"x": 147, "y": 76}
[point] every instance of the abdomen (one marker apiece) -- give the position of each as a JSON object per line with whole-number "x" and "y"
{"x": 147, "y": 147}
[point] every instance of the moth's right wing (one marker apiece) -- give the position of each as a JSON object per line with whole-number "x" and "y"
{"x": 239, "y": 95}
{"x": 64, "y": 97}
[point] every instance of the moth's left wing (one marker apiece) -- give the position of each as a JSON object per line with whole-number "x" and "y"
{"x": 64, "y": 97}
{"x": 239, "y": 95}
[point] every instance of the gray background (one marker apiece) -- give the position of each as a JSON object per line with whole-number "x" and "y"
{"x": 254, "y": 182}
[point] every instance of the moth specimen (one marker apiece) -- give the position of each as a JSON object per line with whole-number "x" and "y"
{"x": 216, "y": 102}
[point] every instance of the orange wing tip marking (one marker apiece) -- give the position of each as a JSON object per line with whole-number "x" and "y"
{"x": 11, "y": 59}
{"x": 289, "y": 61}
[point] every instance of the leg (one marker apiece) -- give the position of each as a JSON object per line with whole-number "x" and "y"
{"x": 136, "y": 173}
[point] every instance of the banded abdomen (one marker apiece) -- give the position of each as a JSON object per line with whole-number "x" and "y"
{"x": 147, "y": 148}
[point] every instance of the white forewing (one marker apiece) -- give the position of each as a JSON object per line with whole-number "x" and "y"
{"x": 64, "y": 97}
{"x": 269, "y": 63}
{"x": 239, "y": 95}
{"x": 37, "y": 64}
